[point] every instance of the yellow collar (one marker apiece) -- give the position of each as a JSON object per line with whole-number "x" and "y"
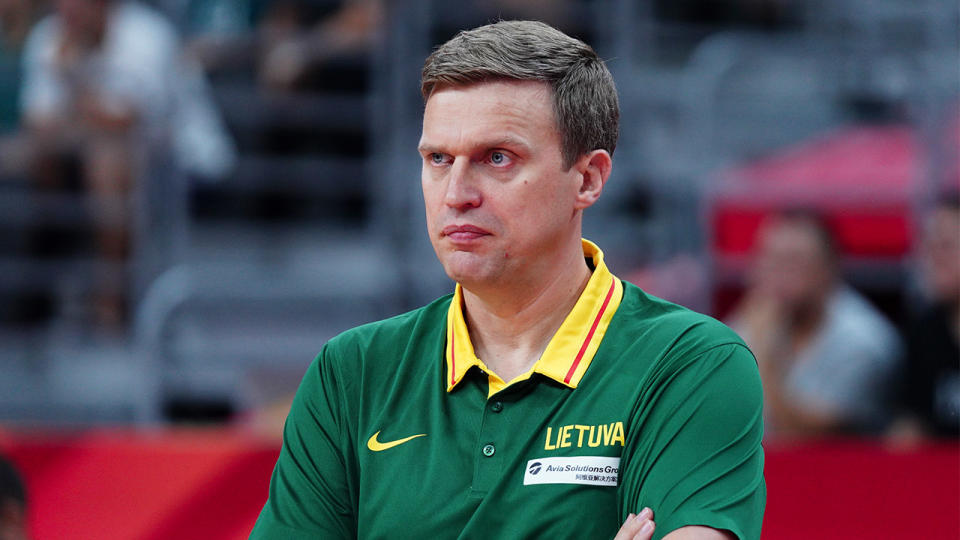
{"x": 571, "y": 349}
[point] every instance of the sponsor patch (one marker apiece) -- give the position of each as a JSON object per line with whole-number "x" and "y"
{"x": 590, "y": 470}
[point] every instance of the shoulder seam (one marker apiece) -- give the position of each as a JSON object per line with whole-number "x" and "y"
{"x": 711, "y": 348}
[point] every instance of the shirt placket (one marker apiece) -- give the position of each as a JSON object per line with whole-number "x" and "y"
{"x": 490, "y": 448}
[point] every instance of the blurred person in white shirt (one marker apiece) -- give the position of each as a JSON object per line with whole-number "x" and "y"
{"x": 826, "y": 355}
{"x": 105, "y": 90}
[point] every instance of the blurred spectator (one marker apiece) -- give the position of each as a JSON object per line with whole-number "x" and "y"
{"x": 13, "y": 503}
{"x": 293, "y": 53}
{"x": 220, "y": 34}
{"x": 285, "y": 41}
{"x": 105, "y": 92}
{"x": 826, "y": 356}
{"x": 931, "y": 381}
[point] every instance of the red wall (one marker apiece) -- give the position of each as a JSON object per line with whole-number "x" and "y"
{"x": 211, "y": 484}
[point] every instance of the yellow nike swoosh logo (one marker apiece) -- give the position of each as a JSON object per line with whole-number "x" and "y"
{"x": 377, "y": 446}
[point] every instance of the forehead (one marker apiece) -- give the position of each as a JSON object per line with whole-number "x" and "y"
{"x": 791, "y": 235}
{"x": 497, "y": 108}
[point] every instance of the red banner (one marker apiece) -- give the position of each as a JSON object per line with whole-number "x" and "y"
{"x": 211, "y": 485}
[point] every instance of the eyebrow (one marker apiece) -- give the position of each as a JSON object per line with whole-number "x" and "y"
{"x": 507, "y": 141}
{"x": 427, "y": 149}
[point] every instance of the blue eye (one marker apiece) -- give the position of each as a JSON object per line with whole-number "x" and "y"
{"x": 436, "y": 157}
{"x": 497, "y": 158}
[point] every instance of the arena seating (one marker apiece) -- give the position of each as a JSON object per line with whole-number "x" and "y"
{"x": 328, "y": 174}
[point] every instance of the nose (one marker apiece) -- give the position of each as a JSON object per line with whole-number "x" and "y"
{"x": 462, "y": 192}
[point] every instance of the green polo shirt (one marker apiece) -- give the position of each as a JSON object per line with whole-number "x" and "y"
{"x": 398, "y": 430}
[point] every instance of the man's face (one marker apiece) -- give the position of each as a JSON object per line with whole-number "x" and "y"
{"x": 499, "y": 204}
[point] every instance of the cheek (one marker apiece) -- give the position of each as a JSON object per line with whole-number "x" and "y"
{"x": 430, "y": 210}
{"x": 430, "y": 191}
{"x": 425, "y": 183}
{"x": 548, "y": 199}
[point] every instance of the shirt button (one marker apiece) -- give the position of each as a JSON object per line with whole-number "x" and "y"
{"x": 496, "y": 406}
{"x": 489, "y": 450}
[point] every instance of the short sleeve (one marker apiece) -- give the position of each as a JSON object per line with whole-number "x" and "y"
{"x": 312, "y": 494}
{"x": 139, "y": 67}
{"x": 694, "y": 452}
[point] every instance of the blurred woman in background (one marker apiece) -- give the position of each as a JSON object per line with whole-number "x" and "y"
{"x": 826, "y": 355}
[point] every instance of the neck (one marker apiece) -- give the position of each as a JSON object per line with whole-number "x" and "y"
{"x": 511, "y": 328}
{"x": 806, "y": 320}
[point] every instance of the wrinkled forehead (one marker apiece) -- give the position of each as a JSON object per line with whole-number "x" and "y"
{"x": 512, "y": 91}
{"x": 515, "y": 108}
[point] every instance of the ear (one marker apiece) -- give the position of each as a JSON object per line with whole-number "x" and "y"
{"x": 593, "y": 169}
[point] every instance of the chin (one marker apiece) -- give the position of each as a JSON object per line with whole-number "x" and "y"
{"x": 469, "y": 268}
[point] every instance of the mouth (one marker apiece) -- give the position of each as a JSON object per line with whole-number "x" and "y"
{"x": 463, "y": 233}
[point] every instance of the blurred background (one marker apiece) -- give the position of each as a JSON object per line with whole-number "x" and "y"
{"x": 196, "y": 194}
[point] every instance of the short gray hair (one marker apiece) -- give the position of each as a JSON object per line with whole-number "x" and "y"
{"x": 585, "y": 102}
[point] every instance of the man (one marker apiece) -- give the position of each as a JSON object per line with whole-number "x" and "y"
{"x": 826, "y": 355}
{"x": 545, "y": 397}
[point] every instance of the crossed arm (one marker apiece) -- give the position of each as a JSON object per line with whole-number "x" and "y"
{"x": 642, "y": 526}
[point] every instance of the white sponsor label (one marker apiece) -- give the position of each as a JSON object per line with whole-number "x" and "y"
{"x": 591, "y": 470}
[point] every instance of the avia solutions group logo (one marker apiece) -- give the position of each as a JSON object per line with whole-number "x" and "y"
{"x": 588, "y": 470}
